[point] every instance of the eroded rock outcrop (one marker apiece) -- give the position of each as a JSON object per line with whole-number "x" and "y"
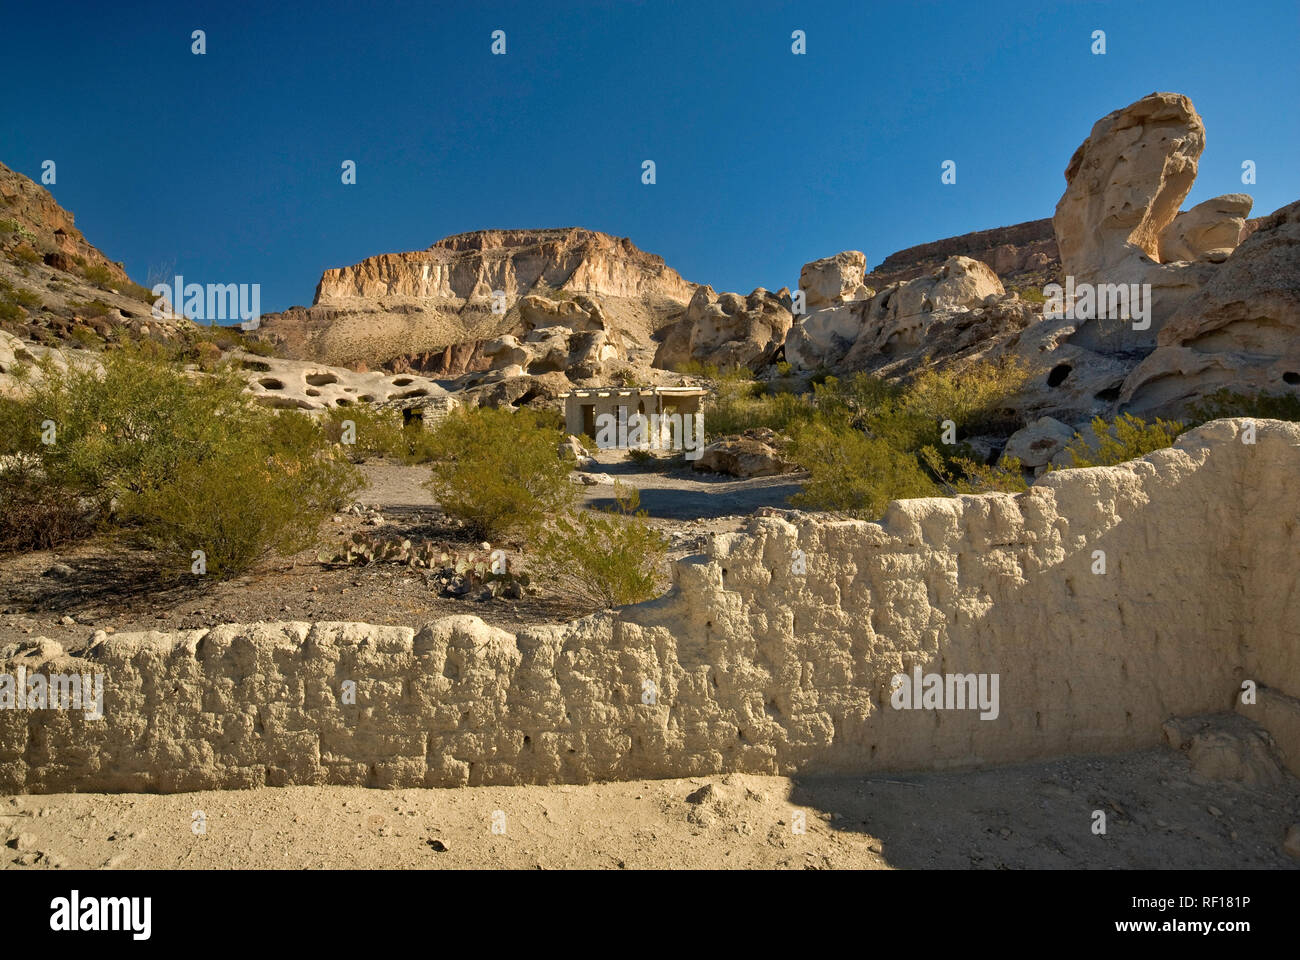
{"x": 774, "y": 652}
{"x": 1241, "y": 333}
{"x": 864, "y": 334}
{"x": 1020, "y": 253}
{"x": 726, "y": 330}
{"x": 1124, "y": 186}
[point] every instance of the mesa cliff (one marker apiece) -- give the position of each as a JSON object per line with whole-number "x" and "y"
{"x": 392, "y": 307}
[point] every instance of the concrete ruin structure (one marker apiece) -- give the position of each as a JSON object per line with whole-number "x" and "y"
{"x": 585, "y": 409}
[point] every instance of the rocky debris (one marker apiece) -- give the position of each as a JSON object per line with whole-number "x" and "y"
{"x": 1227, "y": 747}
{"x": 571, "y": 449}
{"x": 752, "y": 454}
{"x": 420, "y": 304}
{"x": 591, "y": 479}
{"x": 1016, "y": 253}
{"x": 726, "y": 330}
{"x": 834, "y": 280}
{"x": 480, "y": 575}
{"x": 1035, "y": 445}
{"x": 1124, "y": 186}
{"x": 1241, "y": 332}
{"x": 863, "y": 334}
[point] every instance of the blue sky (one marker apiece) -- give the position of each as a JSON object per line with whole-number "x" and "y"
{"x": 227, "y": 165}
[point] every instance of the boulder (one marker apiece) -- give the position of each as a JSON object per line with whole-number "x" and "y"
{"x": 1209, "y": 231}
{"x": 1124, "y": 186}
{"x": 857, "y": 334}
{"x": 1035, "y": 445}
{"x": 752, "y": 454}
{"x": 834, "y": 279}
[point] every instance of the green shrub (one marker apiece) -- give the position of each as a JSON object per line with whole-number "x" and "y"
{"x": 1123, "y": 439}
{"x": 608, "y": 558}
{"x": 23, "y": 253}
{"x": 178, "y": 462}
{"x": 100, "y": 275}
{"x": 740, "y": 403}
{"x": 872, "y": 441}
{"x": 852, "y": 472}
{"x": 498, "y": 470}
{"x": 379, "y": 433}
{"x": 1264, "y": 406}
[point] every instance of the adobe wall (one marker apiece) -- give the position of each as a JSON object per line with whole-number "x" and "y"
{"x": 755, "y": 667}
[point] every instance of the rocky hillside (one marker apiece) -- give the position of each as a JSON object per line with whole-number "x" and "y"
{"x": 55, "y": 287}
{"x": 1020, "y": 252}
{"x": 430, "y": 310}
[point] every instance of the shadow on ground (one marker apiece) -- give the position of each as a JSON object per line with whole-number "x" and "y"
{"x": 1159, "y": 815}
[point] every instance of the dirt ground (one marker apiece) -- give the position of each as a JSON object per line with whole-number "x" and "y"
{"x": 1159, "y": 815}
{"x": 70, "y": 593}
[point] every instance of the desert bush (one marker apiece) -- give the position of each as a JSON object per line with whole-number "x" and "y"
{"x": 35, "y": 515}
{"x": 608, "y": 558}
{"x": 1125, "y": 438}
{"x": 1264, "y": 406}
{"x": 740, "y": 403}
{"x": 24, "y": 253}
{"x": 255, "y": 493}
{"x": 100, "y": 275}
{"x": 498, "y": 470}
{"x": 177, "y": 462}
{"x": 379, "y": 433}
{"x": 852, "y": 472}
{"x": 871, "y": 441}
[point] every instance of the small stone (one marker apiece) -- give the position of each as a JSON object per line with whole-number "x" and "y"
{"x": 1215, "y": 811}
{"x": 438, "y": 846}
{"x": 1291, "y": 842}
{"x": 60, "y": 570}
{"x": 67, "y": 621}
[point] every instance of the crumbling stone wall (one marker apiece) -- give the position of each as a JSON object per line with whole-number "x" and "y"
{"x": 772, "y": 653}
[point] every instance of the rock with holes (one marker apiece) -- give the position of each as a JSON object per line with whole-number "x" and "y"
{"x": 1241, "y": 333}
{"x": 302, "y": 385}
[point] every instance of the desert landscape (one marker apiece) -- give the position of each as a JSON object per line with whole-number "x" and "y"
{"x": 523, "y": 551}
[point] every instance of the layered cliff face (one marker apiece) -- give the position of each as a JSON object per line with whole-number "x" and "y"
{"x": 401, "y": 308}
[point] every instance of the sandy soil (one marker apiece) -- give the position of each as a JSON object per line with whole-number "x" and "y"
{"x": 120, "y": 590}
{"x": 1160, "y": 815}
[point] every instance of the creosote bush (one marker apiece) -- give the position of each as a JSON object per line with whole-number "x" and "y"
{"x": 176, "y": 462}
{"x": 870, "y": 441}
{"x": 498, "y": 471}
{"x": 1125, "y": 438}
{"x": 610, "y": 558}
{"x": 378, "y": 433}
